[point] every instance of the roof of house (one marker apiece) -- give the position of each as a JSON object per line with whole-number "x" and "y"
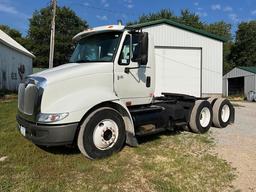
{"x": 8, "y": 41}
{"x": 249, "y": 69}
{"x": 179, "y": 25}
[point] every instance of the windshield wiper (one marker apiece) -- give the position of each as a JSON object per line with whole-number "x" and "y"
{"x": 82, "y": 61}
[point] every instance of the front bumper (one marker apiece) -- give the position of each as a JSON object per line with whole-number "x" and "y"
{"x": 48, "y": 135}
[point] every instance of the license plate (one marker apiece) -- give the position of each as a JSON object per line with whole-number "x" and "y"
{"x": 23, "y": 130}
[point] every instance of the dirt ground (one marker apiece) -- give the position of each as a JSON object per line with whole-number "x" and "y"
{"x": 237, "y": 145}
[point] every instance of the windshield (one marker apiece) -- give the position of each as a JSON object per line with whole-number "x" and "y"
{"x": 96, "y": 48}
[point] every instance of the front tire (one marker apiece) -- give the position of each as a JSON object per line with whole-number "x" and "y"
{"x": 102, "y": 133}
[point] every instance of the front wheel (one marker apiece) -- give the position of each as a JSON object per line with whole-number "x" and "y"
{"x": 102, "y": 133}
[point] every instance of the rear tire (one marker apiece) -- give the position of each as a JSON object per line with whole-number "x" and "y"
{"x": 102, "y": 133}
{"x": 201, "y": 117}
{"x": 222, "y": 113}
{"x": 212, "y": 100}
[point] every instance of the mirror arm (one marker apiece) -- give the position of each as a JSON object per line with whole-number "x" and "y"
{"x": 127, "y": 69}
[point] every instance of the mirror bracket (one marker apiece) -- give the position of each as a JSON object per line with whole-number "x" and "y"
{"x": 127, "y": 69}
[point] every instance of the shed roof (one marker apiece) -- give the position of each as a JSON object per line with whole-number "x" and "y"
{"x": 179, "y": 25}
{"x": 8, "y": 41}
{"x": 249, "y": 69}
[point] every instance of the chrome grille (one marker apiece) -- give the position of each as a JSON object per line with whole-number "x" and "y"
{"x": 29, "y": 97}
{"x": 21, "y": 93}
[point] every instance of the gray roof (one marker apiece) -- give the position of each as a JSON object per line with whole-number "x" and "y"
{"x": 8, "y": 41}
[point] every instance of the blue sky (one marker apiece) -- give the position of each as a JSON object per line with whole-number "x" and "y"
{"x": 100, "y": 12}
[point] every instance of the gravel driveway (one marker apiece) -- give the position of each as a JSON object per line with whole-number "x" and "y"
{"x": 237, "y": 145}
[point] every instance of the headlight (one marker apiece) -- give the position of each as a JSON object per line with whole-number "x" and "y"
{"x": 51, "y": 117}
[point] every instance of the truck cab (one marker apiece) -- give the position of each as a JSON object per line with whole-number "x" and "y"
{"x": 104, "y": 96}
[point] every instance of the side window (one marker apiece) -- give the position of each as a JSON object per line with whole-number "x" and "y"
{"x": 135, "y": 46}
{"x": 125, "y": 56}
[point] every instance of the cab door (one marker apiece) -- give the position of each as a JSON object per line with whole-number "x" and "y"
{"x": 132, "y": 81}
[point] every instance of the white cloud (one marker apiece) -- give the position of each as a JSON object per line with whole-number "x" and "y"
{"x": 233, "y": 17}
{"x": 253, "y": 12}
{"x": 102, "y": 17}
{"x": 228, "y": 9}
{"x": 8, "y": 9}
{"x": 196, "y": 3}
{"x": 199, "y": 8}
{"x": 86, "y": 4}
{"x": 202, "y": 14}
{"x": 105, "y": 3}
{"x": 216, "y": 7}
{"x": 129, "y": 3}
{"x": 130, "y": 6}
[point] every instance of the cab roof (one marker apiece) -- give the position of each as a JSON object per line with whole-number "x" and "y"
{"x": 98, "y": 30}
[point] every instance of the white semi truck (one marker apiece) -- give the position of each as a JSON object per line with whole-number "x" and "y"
{"x": 104, "y": 97}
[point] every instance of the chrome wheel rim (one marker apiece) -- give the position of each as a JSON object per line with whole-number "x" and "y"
{"x": 205, "y": 117}
{"x": 105, "y": 134}
{"x": 225, "y": 113}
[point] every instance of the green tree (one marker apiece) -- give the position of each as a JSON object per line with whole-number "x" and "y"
{"x": 191, "y": 19}
{"x": 13, "y": 33}
{"x": 67, "y": 25}
{"x": 220, "y": 28}
{"x": 243, "y": 52}
{"x": 186, "y": 17}
{"x": 223, "y": 29}
{"x": 162, "y": 14}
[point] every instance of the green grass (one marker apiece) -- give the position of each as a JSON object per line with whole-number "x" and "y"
{"x": 167, "y": 162}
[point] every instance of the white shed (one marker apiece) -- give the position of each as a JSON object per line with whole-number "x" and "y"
{"x": 239, "y": 81}
{"x": 15, "y": 62}
{"x": 190, "y": 61}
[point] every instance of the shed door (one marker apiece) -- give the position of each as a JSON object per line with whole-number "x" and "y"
{"x": 178, "y": 70}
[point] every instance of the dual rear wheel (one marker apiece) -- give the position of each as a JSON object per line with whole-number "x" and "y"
{"x": 217, "y": 112}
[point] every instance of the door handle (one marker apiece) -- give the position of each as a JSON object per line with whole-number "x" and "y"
{"x": 148, "y": 81}
{"x": 120, "y": 77}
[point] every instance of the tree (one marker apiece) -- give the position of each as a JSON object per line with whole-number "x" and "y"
{"x": 243, "y": 52}
{"x": 191, "y": 19}
{"x": 162, "y": 14}
{"x": 223, "y": 29}
{"x": 68, "y": 24}
{"x": 186, "y": 18}
{"x": 13, "y": 33}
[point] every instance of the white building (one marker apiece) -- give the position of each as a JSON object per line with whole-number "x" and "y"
{"x": 239, "y": 81}
{"x": 194, "y": 57}
{"x": 15, "y": 62}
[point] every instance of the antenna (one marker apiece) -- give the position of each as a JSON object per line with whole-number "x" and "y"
{"x": 52, "y": 41}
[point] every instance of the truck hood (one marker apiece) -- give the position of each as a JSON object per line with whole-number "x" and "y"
{"x": 74, "y": 70}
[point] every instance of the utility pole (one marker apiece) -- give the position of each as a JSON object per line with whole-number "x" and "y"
{"x": 51, "y": 55}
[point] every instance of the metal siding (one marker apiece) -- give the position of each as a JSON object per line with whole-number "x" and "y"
{"x": 171, "y": 63}
{"x": 212, "y": 52}
{"x": 249, "y": 80}
{"x": 236, "y": 72}
{"x": 225, "y": 87}
{"x": 249, "y": 84}
{"x": 10, "y": 61}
